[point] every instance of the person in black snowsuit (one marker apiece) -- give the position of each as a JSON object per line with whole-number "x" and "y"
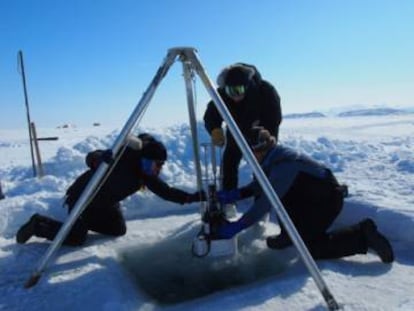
{"x": 312, "y": 197}
{"x": 137, "y": 168}
{"x": 251, "y": 101}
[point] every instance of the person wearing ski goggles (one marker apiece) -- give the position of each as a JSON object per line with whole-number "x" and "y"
{"x": 250, "y": 100}
{"x": 236, "y": 92}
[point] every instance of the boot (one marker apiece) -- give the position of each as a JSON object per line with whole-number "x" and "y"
{"x": 40, "y": 226}
{"x": 376, "y": 241}
{"x": 27, "y": 230}
{"x": 278, "y": 241}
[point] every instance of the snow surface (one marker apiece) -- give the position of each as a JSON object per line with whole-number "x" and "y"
{"x": 373, "y": 155}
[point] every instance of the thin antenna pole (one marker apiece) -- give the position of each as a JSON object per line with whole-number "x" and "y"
{"x": 26, "y": 101}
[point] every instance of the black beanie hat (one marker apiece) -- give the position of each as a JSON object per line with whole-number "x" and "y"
{"x": 238, "y": 75}
{"x": 154, "y": 150}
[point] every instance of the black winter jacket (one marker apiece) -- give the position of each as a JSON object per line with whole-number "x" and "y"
{"x": 261, "y": 103}
{"x": 125, "y": 179}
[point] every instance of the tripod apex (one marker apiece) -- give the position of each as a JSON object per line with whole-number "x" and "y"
{"x": 183, "y": 49}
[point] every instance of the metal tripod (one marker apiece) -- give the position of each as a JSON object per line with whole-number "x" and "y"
{"x": 191, "y": 63}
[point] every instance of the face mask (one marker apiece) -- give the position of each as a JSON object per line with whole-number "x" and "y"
{"x": 146, "y": 166}
{"x": 151, "y": 167}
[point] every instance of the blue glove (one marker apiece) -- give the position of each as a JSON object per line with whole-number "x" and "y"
{"x": 230, "y": 196}
{"x": 228, "y": 230}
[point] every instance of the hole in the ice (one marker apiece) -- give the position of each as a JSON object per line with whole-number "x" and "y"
{"x": 168, "y": 273}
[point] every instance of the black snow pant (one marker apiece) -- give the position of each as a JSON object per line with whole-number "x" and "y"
{"x": 230, "y": 164}
{"x": 313, "y": 204}
{"x": 106, "y": 220}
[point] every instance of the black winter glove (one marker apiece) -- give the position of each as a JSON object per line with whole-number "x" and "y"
{"x": 94, "y": 158}
{"x": 197, "y": 196}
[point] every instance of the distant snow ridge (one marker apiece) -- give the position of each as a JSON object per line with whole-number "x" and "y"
{"x": 351, "y": 112}
{"x": 371, "y": 112}
{"x": 304, "y": 115}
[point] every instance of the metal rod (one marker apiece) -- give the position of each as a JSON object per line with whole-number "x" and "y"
{"x": 47, "y": 138}
{"x": 214, "y": 163}
{"x": 188, "y": 77}
{"x": 89, "y": 190}
{"x": 26, "y": 101}
{"x": 265, "y": 184}
{"x": 39, "y": 166}
{"x": 205, "y": 152}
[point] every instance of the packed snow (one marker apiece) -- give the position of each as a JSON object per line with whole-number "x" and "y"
{"x": 151, "y": 267}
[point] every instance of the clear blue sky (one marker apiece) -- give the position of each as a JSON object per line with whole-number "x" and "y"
{"x": 90, "y": 60}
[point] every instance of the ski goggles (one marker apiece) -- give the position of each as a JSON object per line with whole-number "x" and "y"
{"x": 235, "y": 90}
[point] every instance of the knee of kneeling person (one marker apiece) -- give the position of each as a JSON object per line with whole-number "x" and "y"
{"x": 77, "y": 236}
{"x": 122, "y": 231}
{"x": 76, "y": 239}
{"x": 119, "y": 230}
{"x": 338, "y": 201}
